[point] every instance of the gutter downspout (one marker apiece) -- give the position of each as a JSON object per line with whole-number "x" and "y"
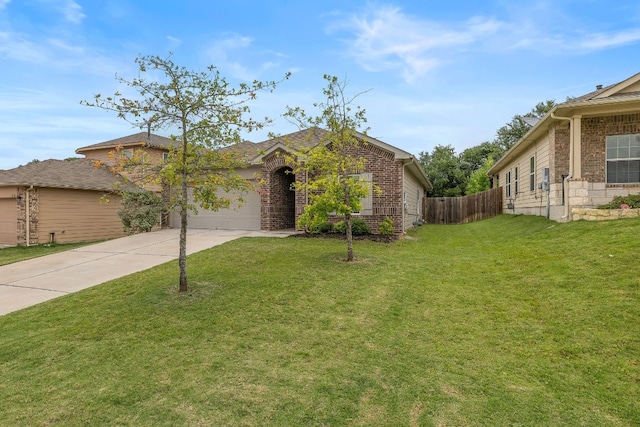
{"x": 28, "y": 213}
{"x": 565, "y": 183}
{"x": 404, "y": 230}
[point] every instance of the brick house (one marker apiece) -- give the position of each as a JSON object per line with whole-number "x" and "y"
{"x": 581, "y": 154}
{"x": 62, "y": 198}
{"x": 275, "y": 206}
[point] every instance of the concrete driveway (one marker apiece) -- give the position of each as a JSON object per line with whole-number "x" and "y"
{"x": 33, "y": 281}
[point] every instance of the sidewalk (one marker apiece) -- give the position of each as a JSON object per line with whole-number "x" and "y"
{"x": 33, "y": 281}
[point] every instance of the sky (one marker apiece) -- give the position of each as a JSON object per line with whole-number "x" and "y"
{"x": 427, "y": 73}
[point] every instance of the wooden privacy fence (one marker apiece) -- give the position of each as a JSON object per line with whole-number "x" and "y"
{"x": 460, "y": 210}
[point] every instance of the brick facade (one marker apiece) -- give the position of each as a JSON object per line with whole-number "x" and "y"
{"x": 277, "y": 201}
{"x": 594, "y": 138}
{"x": 558, "y": 153}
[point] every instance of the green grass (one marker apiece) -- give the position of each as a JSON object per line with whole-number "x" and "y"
{"x": 20, "y": 253}
{"x": 505, "y": 322}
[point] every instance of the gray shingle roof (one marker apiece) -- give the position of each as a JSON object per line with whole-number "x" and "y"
{"x": 304, "y": 138}
{"x": 79, "y": 174}
{"x": 141, "y": 139}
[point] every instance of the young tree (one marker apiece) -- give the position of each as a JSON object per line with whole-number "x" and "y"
{"x": 332, "y": 166}
{"x": 479, "y": 180}
{"x": 208, "y": 114}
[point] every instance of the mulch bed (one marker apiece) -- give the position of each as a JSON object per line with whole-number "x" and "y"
{"x": 338, "y": 236}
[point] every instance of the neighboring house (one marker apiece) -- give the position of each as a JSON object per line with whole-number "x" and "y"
{"x": 58, "y": 200}
{"x": 276, "y": 206}
{"x": 580, "y": 155}
{"x": 157, "y": 147}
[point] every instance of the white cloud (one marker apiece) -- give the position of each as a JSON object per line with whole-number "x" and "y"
{"x": 174, "y": 42}
{"x": 224, "y": 52}
{"x": 17, "y": 46}
{"x": 600, "y": 41}
{"x": 55, "y": 54}
{"x": 4, "y": 3}
{"x": 72, "y": 11}
{"x": 387, "y": 38}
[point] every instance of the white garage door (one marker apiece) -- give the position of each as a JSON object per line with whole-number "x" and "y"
{"x": 246, "y": 217}
{"x": 8, "y": 222}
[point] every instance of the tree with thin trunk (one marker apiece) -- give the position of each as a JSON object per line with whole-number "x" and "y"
{"x": 331, "y": 167}
{"x": 208, "y": 115}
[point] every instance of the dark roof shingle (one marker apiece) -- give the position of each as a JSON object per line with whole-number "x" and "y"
{"x": 79, "y": 174}
{"x": 141, "y": 138}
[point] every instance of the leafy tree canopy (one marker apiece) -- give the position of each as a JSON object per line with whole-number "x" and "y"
{"x": 444, "y": 169}
{"x": 451, "y": 174}
{"x": 511, "y": 132}
{"x": 208, "y": 114}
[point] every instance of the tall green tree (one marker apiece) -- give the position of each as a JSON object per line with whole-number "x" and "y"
{"x": 208, "y": 114}
{"x": 332, "y": 167}
{"x": 519, "y": 125}
{"x": 444, "y": 170}
{"x": 472, "y": 159}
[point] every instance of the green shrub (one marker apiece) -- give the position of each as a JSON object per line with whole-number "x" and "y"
{"x": 386, "y": 227}
{"x": 358, "y": 227}
{"x": 632, "y": 201}
{"x": 140, "y": 211}
{"x": 322, "y": 228}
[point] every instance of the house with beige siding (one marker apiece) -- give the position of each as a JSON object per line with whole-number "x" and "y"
{"x": 156, "y": 148}
{"x": 153, "y": 148}
{"x": 581, "y": 154}
{"x": 58, "y": 201}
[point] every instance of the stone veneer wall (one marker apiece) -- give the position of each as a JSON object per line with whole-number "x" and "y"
{"x": 33, "y": 216}
{"x": 603, "y": 214}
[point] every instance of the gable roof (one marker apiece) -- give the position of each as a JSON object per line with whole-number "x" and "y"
{"x": 138, "y": 139}
{"x": 309, "y": 138}
{"x": 78, "y": 174}
{"x": 623, "y": 96}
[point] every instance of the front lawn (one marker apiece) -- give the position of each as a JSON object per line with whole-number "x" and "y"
{"x": 508, "y": 321}
{"x": 20, "y": 253}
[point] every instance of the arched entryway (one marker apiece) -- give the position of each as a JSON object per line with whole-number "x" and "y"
{"x": 282, "y": 209}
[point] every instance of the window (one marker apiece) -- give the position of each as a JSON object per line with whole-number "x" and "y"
{"x": 366, "y": 202}
{"x": 532, "y": 173}
{"x": 507, "y": 188}
{"x": 165, "y": 157}
{"x": 418, "y": 201}
{"x": 127, "y": 153}
{"x": 516, "y": 181}
{"x": 623, "y": 158}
